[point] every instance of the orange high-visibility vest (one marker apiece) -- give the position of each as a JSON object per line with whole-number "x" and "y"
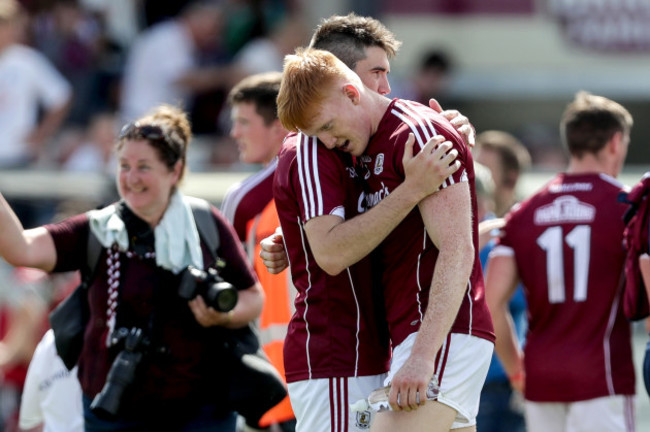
{"x": 278, "y": 305}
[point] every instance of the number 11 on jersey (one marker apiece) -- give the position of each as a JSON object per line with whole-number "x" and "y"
{"x": 579, "y": 240}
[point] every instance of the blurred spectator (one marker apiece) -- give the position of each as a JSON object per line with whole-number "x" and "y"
{"x": 73, "y": 41}
{"x": 174, "y": 62}
{"x": 120, "y": 19}
{"x": 28, "y": 83}
{"x": 507, "y": 159}
{"x": 120, "y": 22}
{"x": 431, "y": 78}
{"x": 156, "y": 11}
{"x": 543, "y": 142}
{"x": 93, "y": 151}
{"x": 484, "y": 198}
{"x": 23, "y": 321}
{"x": 52, "y": 394}
{"x": 252, "y": 19}
{"x": 266, "y": 54}
{"x": 34, "y": 101}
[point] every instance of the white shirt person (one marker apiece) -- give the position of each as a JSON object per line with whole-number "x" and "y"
{"x": 52, "y": 394}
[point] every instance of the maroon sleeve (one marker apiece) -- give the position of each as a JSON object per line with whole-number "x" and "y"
{"x": 238, "y": 270}
{"x": 70, "y": 241}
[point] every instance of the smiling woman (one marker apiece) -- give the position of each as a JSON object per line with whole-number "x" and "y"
{"x": 151, "y": 159}
{"x": 176, "y": 348}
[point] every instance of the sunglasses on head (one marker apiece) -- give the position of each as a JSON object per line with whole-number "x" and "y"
{"x": 137, "y": 131}
{"x": 152, "y": 133}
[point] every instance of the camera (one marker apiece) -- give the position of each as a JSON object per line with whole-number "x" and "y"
{"x": 216, "y": 292}
{"x": 122, "y": 373}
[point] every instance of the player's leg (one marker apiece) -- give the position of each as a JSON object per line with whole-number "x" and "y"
{"x": 432, "y": 417}
{"x": 460, "y": 373}
{"x": 604, "y": 414}
{"x": 546, "y": 416}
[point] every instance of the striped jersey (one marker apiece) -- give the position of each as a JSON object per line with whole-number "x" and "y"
{"x": 567, "y": 241}
{"x": 407, "y": 255}
{"x": 337, "y": 329}
{"x": 246, "y": 199}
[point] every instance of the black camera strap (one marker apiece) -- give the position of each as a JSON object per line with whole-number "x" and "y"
{"x": 205, "y": 224}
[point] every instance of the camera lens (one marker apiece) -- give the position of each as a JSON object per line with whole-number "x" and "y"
{"x": 222, "y": 296}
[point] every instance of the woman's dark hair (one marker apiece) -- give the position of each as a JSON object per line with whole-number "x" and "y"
{"x": 167, "y": 129}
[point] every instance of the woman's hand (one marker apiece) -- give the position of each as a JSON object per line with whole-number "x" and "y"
{"x": 249, "y": 307}
{"x": 208, "y": 316}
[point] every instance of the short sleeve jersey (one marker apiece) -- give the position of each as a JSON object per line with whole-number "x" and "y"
{"x": 247, "y": 199}
{"x": 567, "y": 244}
{"x": 335, "y": 330}
{"x": 407, "y": 255}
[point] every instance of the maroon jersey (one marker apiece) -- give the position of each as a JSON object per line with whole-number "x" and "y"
{"x": 335, "y": 330}
{"x": 637, "y": 218}
{"x": 408, "y": 257}
{"x": 567, "y": 243}
{"x": 247, "y": 199}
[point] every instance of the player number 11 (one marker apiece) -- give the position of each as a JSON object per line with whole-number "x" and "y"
{"x": 578, "y": 239}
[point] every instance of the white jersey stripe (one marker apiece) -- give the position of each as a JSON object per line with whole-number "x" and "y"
{"x": 307, "y": 157}
{"x": 418, "y": 136}
{"x": 314, "y": 167}
{"x": 301, "y": 177}
{"x": 427, "y": 129}
{"x": 307, "y": 290}
{"x": 305, "y": 144}
{"x": 356, "y": 304}
{"x": 607, "y": 352}
{"x": 237, "y": 191}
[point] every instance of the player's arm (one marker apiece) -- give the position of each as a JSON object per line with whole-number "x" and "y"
{"x": 338, "y": 243}
{"x": 448, "y": 221}
{"x": 501, "y": 279}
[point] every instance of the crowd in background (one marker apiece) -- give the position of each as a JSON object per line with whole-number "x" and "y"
{"x": 105, "y": 52}
{"x": 90, "y": 42}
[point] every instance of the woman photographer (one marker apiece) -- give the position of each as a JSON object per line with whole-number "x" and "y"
{"x": 175, "y": 370}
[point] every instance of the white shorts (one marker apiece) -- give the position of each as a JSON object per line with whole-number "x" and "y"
{"x": 604, "y": 414}
{"x": 461, "y": 369}
{"x": 323, "y": 405}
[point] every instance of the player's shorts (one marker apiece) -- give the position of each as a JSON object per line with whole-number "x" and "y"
{"x": 461, "y": 368}
{"x": 605, "y": 414}
{"x": 323, "y": 405}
